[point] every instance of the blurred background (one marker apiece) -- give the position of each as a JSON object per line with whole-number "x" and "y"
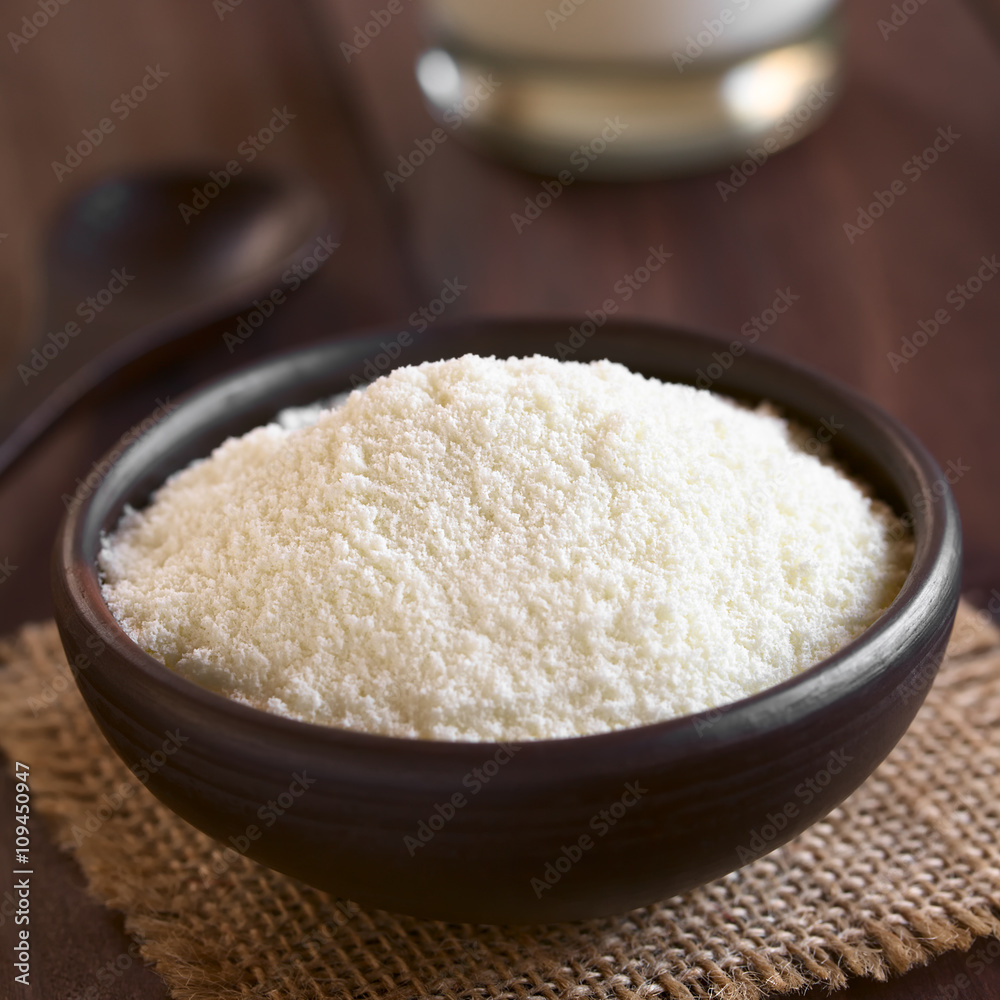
{"x": 867, "y": 248}
{"x": 862, "y": 232}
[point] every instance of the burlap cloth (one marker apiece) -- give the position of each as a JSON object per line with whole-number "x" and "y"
{"x": 907, "y": 868}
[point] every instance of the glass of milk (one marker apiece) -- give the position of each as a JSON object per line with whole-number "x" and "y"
{"x": 627, "y": 88}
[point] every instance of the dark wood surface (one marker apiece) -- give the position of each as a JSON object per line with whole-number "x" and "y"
{"x": 451, "y": 220}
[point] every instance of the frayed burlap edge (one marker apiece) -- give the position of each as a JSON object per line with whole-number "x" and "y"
{"x": 907, "y": 868}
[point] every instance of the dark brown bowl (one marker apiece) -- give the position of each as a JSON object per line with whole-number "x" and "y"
{"x": 549, "y": 830}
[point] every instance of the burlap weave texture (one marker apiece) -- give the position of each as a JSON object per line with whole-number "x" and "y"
{"x": 907, "y": 868}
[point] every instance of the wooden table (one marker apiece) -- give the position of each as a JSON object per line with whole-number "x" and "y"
{"x": 224, "y": 67}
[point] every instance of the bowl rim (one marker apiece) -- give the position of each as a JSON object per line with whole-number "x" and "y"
{"x": 931, "y": 584}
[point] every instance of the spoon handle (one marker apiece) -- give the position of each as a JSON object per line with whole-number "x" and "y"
{"x": 127, "y": 273}
{"x": 57, "y": 372}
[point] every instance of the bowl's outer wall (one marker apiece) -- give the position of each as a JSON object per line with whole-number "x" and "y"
{"x": 683, "y": 801}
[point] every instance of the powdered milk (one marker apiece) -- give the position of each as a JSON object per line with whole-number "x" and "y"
{"x": 483, "y": 549}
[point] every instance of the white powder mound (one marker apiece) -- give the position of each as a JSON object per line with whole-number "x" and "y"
{"x": 480, "y": 549}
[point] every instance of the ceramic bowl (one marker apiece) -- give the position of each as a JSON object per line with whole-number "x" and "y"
{"x": 546, "y": 830}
